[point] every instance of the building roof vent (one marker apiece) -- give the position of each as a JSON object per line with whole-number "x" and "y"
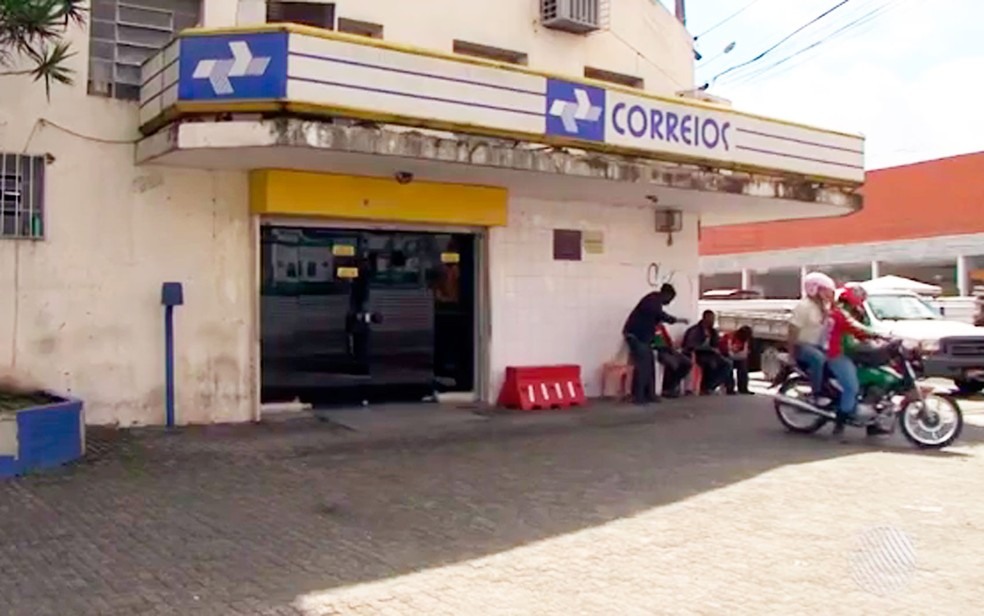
{"x": 576, "y": 16}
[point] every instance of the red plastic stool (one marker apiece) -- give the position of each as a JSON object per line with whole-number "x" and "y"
{"x": 696, "y": 376}
{"x": 618, "y": 377}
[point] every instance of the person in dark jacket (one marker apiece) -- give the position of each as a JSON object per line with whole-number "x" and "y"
{"x": 639, "y": 330}
{"x": 704, "y": 342}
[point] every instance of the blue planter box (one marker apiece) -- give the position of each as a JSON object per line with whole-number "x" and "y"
{"x": 41, "y": 437}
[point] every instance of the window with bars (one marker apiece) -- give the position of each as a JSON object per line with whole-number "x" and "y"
{"x": 21, "y": 196}
{"x": 124, "y": 33}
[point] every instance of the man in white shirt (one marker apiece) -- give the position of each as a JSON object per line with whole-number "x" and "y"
{"x": 809, "y": 326}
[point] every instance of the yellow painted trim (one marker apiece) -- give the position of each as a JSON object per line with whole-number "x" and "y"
{"x": 420, "y": 51}
{"x": 318, "y": 109}
{"x": 300, "y": 193}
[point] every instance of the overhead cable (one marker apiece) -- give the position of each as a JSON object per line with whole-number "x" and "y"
{"x": 853, "y": 25}
{"x": 727, "y": 19}
{"x": 783, "y": 40}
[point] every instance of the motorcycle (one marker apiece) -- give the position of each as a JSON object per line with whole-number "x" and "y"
{"x": 889, "y": 387}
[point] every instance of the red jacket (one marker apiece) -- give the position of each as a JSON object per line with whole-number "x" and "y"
{"x": 730, "y": 345}
{"x": 840, "y": 323}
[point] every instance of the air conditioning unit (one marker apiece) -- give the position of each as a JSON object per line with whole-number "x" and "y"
{"x": 576, "y": 16}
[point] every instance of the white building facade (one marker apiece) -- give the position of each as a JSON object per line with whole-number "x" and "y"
{"x": 388, "y": 198}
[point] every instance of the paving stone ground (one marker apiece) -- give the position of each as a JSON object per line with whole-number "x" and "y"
{"x": 710, "y": 511}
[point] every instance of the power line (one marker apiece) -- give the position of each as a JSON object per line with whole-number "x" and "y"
{"x": 863, "y": 20}
{"x": 852, "y": 25}
{"x": 727, "y": 19}
{"x": 783, "y": 40}
{"x": 763, "y": 41}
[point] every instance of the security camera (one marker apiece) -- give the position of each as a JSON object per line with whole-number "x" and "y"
{"x": 403, "y": 177}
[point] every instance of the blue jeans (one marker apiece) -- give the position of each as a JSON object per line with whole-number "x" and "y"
{"x": 812, "y": 359}
{"x": 846, "y": 374}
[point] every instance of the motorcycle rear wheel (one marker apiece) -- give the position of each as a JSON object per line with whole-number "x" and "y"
{"x": 795, "y": 420}
{"x": 925, "y": 427}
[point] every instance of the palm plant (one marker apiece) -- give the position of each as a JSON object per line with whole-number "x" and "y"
{"x": 31, "y": 38}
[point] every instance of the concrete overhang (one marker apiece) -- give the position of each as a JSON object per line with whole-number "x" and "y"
{"x": 525, "y": 169}
{"x": 293, "y": 97}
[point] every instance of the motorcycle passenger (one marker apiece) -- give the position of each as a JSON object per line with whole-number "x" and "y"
{"x": 845, "y": 328}
{"x": 851, "y": 300}
{"x": 807, "y": 326}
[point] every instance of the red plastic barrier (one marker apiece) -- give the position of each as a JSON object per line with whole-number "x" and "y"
{"x": 542, "y": 387}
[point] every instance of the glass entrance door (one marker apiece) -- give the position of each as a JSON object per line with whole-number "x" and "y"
{"x": 349, "y": 315}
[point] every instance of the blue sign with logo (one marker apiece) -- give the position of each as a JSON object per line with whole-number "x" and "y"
{"x": 233, "y": 67}
{"x": 575, "y": 110}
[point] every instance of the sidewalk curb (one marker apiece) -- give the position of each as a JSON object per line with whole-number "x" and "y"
{"x": 505, "y": 426}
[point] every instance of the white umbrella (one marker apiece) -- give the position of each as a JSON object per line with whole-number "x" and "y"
{"x": 897, "y": 283}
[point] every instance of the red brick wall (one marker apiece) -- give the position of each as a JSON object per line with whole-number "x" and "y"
{"x": 939, "y": 197}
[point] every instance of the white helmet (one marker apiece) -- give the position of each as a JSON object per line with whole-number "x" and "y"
{"x": 815, "y": 281}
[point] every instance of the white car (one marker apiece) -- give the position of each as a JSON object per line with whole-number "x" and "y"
{"x": 954, "y": 350}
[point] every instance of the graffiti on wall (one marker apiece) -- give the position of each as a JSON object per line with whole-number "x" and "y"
{"x": 657, "y": 276}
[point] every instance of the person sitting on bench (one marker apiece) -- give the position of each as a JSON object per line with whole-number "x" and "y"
{"x": 676, "y": 365}
{"x": 703, "y": 342}
{"x": 736, "y": 346}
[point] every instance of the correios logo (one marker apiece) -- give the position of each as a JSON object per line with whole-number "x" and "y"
{"x": 580, "y": 109}
{"x": 591, "y": 113}
{"x": 242, "y": 64}
{"x": 655, "y": 124}
{"x": 575, "y": 110}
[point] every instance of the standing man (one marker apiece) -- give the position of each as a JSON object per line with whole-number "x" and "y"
{"x": 639, "y": 330}
{"x": 703, "y": 341}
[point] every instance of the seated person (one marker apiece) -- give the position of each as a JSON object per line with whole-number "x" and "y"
{"x": 676, "y": 365}
{"x": 736, "y": 346}
{"x": 703, "y": 342}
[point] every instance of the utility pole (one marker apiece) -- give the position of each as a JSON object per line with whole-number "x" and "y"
{"x": 681, "y": 11}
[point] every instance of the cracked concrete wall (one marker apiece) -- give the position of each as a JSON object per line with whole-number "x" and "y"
{"x": 353, "y": 137}
{"x": 80, "y": 310}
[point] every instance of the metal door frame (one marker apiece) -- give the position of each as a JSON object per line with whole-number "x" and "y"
{"x": 481, "y": 317}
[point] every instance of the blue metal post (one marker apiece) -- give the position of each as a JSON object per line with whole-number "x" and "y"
{"x": 169, "y": 364}
{"x": 172, "y": 294}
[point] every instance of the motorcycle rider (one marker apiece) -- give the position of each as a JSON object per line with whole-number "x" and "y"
{"x": 808, "y": 326}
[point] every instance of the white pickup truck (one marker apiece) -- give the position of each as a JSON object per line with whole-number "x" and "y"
{"x": 953, "y": 349}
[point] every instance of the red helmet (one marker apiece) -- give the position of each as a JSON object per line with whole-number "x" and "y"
{"x": 852, "y": 294}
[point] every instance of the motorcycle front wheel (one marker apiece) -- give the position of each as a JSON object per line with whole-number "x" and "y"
{"x": 933, "y": 423}
{"x": 791, "y": 417}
